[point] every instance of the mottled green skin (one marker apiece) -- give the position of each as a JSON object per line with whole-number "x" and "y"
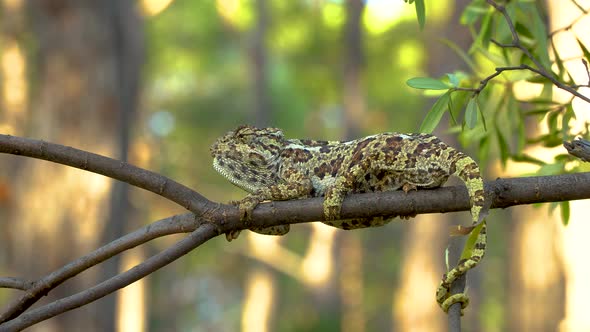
{"x": 272, "y": 167}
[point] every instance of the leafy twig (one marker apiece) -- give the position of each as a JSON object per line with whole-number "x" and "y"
{"x": 517, "y": 44}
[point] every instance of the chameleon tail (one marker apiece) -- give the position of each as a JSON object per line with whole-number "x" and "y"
{"x": 468, "y": 171}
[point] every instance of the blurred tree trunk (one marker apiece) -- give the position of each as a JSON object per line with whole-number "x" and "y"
{"x": 128, "y": 48}
{"x": 14, "y": 99}
{"x": 350, "y": 274}
{"x": 260, "y": 298}
{"x": 425, "y": 239}
{"x": 547, "y": 255}
{"x": 574, "y": 246}
{"x": 85, "y": 78}
{"x": 354, "y": 101}
{"x": 262, "y": 105}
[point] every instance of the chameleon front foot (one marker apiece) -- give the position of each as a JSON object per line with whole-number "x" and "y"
{"x": 246, "y": 206}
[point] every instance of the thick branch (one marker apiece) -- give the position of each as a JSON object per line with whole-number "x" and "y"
{"x": 219, "y": 218}
{"x": 503, "y": 192}
{"x": 65, "y": 155}
{"x": 34, "y": 291}
{"x": 15, "y": 283}
{"x": 184, "y": 246}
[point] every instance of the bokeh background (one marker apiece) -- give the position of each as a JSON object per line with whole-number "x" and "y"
{"x": 155, "y": 82}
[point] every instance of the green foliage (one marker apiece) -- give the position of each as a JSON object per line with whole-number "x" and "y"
{"x": 510, "y": 46}
{"x": 427, "y": 83}
{"x": 471, "y": 241}
{"x": 435, "y": 114}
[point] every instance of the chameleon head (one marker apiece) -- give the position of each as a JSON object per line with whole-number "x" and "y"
{"x": 248, "y": 157}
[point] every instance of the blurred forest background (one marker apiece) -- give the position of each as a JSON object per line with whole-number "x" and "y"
{"x": 155, "y": 82}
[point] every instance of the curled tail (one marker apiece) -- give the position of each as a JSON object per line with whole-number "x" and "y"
{"x": 468, "y": 171}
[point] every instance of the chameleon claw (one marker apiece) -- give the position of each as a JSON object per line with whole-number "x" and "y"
{"x": 232, "y": 235}
{"x": 407, "y": 187}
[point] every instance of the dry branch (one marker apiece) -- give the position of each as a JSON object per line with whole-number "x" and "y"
{"x": 211, "y": 219}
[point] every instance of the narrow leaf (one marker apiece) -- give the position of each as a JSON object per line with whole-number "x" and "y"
{"x": 435, "y": 114}
{"x": 427, "y": 83}
{"x": 503, "y": 145}
{"x": 565, "y": 212}
{"x": 473, "y": 12}
{"x": 485, "y": 33}
{"x": 471, "y": 113}
{"x": 421, "y": 13}
{"x": 455, "y": 48}
{"x": 471, "y": 241}
{"x": 584, "y": 49}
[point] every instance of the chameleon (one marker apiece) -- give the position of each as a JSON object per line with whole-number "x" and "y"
{"x": 271, "y": 167}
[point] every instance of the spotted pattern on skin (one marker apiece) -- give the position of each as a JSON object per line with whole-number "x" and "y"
{"x": 272, "y": 167}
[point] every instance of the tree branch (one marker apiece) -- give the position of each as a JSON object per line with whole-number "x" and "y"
{"x": 34, "y": 291}
{"x": 184, "y": 246}
{"x": 541, "y": 70}
{"x": 119, "y": 170}
{"x": 15, "y": 283}
{"x": 211, "y": 219}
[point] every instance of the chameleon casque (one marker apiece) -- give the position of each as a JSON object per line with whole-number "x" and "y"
{"x": 272, "y": 167}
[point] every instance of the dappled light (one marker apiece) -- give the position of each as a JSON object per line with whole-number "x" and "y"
{"x": 258, "y": 302}
{"x": 235, "y": 12}
{"x": 317, "y": 265}
{"x": 132, "y": 299}
{"x": 382, "y": 15}
{"x": 14, "y": 87}
{"x": 574, "y": 245}
{"x": 411, "y": 310}
{"x": 154, "y": 7}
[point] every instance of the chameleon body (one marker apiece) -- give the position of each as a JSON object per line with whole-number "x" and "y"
{"x": 272, "y": 167}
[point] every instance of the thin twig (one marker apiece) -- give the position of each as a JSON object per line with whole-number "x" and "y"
{"x": 183, "y": 223}
{"x": 15, "y": 283}
{"x": 541, "y": 70}
{"x": 181, "y": 248}
{"x": 585, "y": 11}
{"x": 122, "y": 171}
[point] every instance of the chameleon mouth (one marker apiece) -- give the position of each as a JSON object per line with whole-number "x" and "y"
{"x": 228, "y": 175}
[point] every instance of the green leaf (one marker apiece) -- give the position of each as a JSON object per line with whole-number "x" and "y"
{"x": 503, "y": 145}
{"x": 427, "y": 83}
{"x": 539, "y": 31}
{"x": 565, "y": 121}
{"x": 565, "y": 212}
{"x": 584, "y": 50}
{"x": 471, "y": 113}
{"x": 453, "y": 79}
{"x": 483, "y": 118}
{"x": 528, "y": 159}
{"x": 473, "y": 12}
{"x": 421, "y": 13}
{"x": 435, "y": 114}
{"x": 483, "y": 152}
{"x": 455, "y": 48}
{"x": 485, "y": 33}
{"x": 560, "y": 67}
{"x": 471, "y": 241}
{"x": 457, "y": 102}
